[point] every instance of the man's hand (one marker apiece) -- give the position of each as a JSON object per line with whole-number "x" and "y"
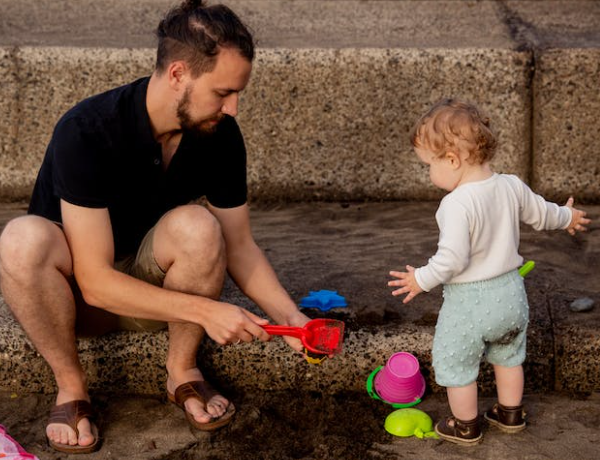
{"x": 298, "y": 320}
{"x": 230, "y": 324}
{"x": 407, "y": 282}
{"x": 252, "y": 272}
{"x": 578, "y": 220}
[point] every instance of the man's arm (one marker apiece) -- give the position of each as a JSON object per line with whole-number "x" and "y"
{"x": 252, "y": 272}
{"x": 89, "y": 234}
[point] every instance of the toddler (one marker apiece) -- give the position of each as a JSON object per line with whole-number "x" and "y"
{"x": 485, "y": 308}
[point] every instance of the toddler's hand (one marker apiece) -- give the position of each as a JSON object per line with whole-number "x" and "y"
{"x": 408, "y": 284}
{"x": 578, "y": 221}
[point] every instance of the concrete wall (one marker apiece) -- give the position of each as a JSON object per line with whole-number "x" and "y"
{"x": 566, "y": 146}
{"x": 332, "y": 124}
{"x": 336, "y": 86}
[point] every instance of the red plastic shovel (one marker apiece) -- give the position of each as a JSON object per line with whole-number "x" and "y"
{"x": 323, "y": 336}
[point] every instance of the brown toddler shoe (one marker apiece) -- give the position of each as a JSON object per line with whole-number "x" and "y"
{"x": 510, "y": 419}
{"x": 463, "y": 432}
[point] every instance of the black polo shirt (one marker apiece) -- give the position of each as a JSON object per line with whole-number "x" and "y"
{"x": 103, "y": 155}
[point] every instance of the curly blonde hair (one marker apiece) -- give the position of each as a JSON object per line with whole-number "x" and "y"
{"x": 452, "y": 125}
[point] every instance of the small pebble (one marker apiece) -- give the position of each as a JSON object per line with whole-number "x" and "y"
{"x": 582, "y": 304}
{"x": 150, "y": 445}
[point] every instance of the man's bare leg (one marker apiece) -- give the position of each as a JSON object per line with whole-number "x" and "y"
{"x": 189, "y": 246}
{"x": 35, "y": 265}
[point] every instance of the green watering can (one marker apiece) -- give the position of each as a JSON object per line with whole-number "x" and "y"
{"x": 410, "y": 422}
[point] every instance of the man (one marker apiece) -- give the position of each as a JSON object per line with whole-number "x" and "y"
{"x": 111, "y": 240}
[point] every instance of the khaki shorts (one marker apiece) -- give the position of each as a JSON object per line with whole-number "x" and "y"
{"x": 143, "y": 266}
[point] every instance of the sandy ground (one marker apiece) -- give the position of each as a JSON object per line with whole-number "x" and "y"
{"x": 309, "y": 426}
{"x": 350, "y": 248}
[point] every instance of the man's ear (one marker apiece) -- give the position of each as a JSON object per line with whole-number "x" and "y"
{"x": 177, "y": 73}
{"x": 454, "y": 159}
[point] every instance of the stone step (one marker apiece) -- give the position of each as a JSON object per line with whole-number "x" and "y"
{"x": 349, "y": 248}
{"x": 335, "y": 89}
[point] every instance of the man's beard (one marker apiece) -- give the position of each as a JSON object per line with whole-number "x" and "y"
{"x": 187, "y": 123}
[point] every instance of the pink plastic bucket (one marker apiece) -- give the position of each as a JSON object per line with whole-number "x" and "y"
{"x": 400, "y": 380}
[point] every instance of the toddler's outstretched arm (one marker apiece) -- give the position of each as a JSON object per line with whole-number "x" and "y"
{"x": 578, "y": 221}
{"x": 407, "y": 282}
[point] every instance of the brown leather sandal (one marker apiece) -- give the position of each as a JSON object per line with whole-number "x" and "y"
{"x": 203, "y": 392}
{"x": 70, "y": 413}
{"x": 463, "y": 432}
{"x": 510, "y": 419}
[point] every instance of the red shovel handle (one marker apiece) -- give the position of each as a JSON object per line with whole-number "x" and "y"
{"x": 297, "y": 332}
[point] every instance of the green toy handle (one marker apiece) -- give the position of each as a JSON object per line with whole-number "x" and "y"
{"x": 370, "y": 389}
{"x": 526, "y": 268}
{"x": 419, "y": 433}
{"x": 375, "y": 396}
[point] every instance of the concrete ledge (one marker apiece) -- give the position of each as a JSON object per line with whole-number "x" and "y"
{"x": 9, "y": 96}
{"x": 319, "y": 124}
{"x": 276, "y": 23}
{"x": 577, "y": 348}
{"x": 133, "y": 362}
{"x": 47, "y": 82}
{"x": 333, "y": 124}
{"x": 577, "y": 354}
{"x": 566, "y": 151}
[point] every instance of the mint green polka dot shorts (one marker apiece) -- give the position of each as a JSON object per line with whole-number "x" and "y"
{"x": 480, "y": 320}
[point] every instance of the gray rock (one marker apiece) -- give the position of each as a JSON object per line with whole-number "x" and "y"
{"x": 582, "y": 304}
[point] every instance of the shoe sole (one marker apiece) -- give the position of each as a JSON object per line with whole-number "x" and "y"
{"x": 459, "y": 441}
{"x": 505, "y": 428}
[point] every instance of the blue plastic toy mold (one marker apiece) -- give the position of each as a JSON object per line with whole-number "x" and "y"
{"x": 323, "y": 300}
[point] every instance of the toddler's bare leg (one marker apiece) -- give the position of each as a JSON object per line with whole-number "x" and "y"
{"x": 463, "y": 401}
{"x": 508, "y": 415}
{"x": 509, "y": 382}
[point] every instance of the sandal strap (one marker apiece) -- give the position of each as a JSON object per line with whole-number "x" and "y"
{"x": 200, "y": 390}
{"x": 70, "y": 413}
{"x": 463, "y": 428}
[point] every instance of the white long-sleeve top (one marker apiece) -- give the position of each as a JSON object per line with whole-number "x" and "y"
{"x": 479, "y": 230}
